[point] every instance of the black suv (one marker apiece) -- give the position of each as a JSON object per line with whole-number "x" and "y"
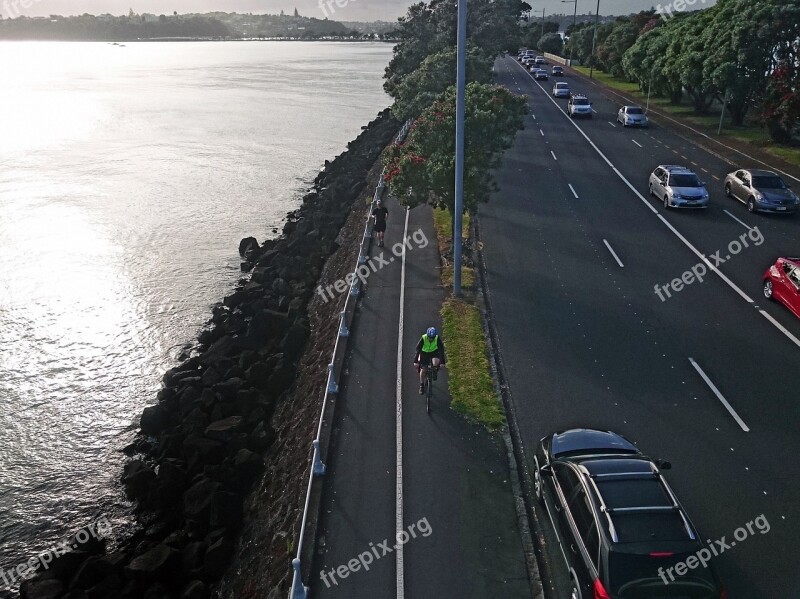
{"x": 622, "y": 531}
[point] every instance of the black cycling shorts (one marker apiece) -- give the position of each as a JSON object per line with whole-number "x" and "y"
{"x": 425, "y": 358}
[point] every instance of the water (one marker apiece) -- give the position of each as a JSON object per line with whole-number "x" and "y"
{"x": 128, "y": 175}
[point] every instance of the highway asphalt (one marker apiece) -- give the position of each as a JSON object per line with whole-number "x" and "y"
{"x": 574, "y": 248}
{"x": 455, "y": 497}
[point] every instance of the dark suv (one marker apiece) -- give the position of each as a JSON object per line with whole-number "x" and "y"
{"x": 621, "y": 529}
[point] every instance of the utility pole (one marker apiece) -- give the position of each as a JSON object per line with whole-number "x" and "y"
{"x": 722, "y": 114}
{"x": 574, "y": 18}
{"x": 542, "y": 22}
{"x": 460, "y": 110}
{"x": 594, "y": 40}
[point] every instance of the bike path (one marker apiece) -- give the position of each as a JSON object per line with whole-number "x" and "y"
{"x": 458, "y": 508}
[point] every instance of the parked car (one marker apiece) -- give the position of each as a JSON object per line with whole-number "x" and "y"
{"x": 561, "y": 90}
{"x": 579, "y": 106}
{"x": 632, "y": 116}
{"x": 618, "y": 522}
{"x": 557, "y": 71}
{"x": 678, "y": 187}
{"x": 782, "y": 283}
{"x": 540, "y": 74}
{"x": 761, "y": 191}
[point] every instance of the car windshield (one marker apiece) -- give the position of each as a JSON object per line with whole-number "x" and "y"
{"x": 684, "y": 181}
{"x": 634, "y": 111}
{"x": 562, "y": 86}
{"x": 768, "y": 182}
{"x": 581, "y": 102}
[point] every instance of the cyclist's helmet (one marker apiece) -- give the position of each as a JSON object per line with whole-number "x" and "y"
{"x": 431, "y": 333}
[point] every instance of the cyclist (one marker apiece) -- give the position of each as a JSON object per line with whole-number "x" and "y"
{"x": 430, "y": 350}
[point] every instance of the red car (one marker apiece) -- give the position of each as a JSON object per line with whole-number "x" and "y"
{"x": 782, "y": 283}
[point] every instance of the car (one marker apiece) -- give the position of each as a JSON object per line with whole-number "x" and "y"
{"x": 619, "y": 524}
{"x": 579, "y": 106}
{"x": 561, "y": 90}
{"x": 541, "y": 74}
{"x": 557, "y": 71}
{"x": 761, "y": 191}
{"x": 782, "y": 283}
{"x": 632, "y": 116}
{"x": 678, "y": 187}
{"x": 540, "y": 60}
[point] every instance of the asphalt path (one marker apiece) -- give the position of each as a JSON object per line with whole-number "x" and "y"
{"x": 574, "y": 248}
{"x": 447, "y": 479}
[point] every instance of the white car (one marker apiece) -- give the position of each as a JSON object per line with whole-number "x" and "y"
{"x": 632, "y": 116}
{"x": 579, "y": 106}
{"x": 561, "y": 90}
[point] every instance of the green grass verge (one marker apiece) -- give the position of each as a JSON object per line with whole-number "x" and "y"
{"x": 752, "y": 134}
{"x": 442, "y": 223}
{"x": 471, "y": 385}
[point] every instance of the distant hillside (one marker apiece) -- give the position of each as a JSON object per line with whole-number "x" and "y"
{"x": 216, "y": 25}
{"x": 374, "y": 27}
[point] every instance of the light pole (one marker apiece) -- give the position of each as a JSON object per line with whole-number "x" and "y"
{"x": 542, "y": 22}
{"x": 594, "y": 39}
{"x": 460, "y": 109}
{"x": 574, "y": 17}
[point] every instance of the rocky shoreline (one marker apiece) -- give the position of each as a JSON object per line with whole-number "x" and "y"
{"x": 203, "y": 444}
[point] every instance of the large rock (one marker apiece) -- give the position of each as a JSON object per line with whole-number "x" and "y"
{"x": 154, "y": 419}
{"x": 223, "y": 430}
{"x": 268, "y": 323}
{"x": 41, "y": 589}
{"x": 226, "y": 511}
{"x": 195, "y": 589}
{"x": 217, "y": 558}
{"x": 295, "y": 341}
{"x": 247, "y": 244}
{"x": 199, "y": 450}
{"x": 197, "y": 500}
{"x": 137, "y": 478}
{"x": 157, "y": 564}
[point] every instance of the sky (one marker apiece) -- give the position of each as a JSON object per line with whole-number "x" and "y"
{"x": 341, "y": 10}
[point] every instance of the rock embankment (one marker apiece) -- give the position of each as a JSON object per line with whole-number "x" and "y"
{"x": 202, "y": 444}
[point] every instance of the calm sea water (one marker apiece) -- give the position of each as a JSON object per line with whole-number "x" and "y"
{"x": 128, "y": 175}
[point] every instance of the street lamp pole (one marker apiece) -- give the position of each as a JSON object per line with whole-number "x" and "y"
{"x": 461, "y": 55}
{"x": 594, "y": 39}
{"x": 574, "y": 18}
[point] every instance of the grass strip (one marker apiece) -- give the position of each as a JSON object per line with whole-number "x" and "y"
{"x": 471, "y": 385}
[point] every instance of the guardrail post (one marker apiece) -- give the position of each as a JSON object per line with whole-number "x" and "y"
{"x": 343, "y": 330}
{"x": 362, "y": 256}
{"x": 319, "y": 466}
{"x": 298, "y": 590}
{"x": 354, "y": 288}
{"x": 332, "y": 386}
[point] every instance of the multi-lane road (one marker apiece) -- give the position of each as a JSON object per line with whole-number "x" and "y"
{"x": 706, "y": 378}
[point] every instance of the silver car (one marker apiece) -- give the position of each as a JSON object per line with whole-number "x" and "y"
{"x": 561, "y": 90}
{"x": 678, "y": 187}
{"x": 632, "y": 116}
{"x": 761, "y": 191}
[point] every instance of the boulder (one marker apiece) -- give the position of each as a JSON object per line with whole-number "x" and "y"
{"x": 223, "y": 430}
{"x": 197, "y": 500}
{"x": 247, "y": 244}
{"x": 154, "y": 419}
{"x": 217, "y": 558}
{"x": 200, "y": 450}
{"x": 192, "y": 556}
{"x": 137, "y": 478}
{"x": 156, "y": 564}
{"x": 226, "y": 511}
{"x": 41, "y": 589}
{"x": 295, "y": 340}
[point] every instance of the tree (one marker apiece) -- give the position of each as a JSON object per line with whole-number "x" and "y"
{"x": 552, "y": 43}
{"x": 422, "y": 169}
{"x": 436, "y": 73}
{"x": 297, "y": 14}
{"x": 780, "y": 110}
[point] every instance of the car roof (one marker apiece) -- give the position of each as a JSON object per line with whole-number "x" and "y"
{"x": 562, "y": 84}
{"x": 760, "y": 172}
{"x": 632, "y": 106}
{"x": 587, "y": 440}
{"x": 675, "y": 168}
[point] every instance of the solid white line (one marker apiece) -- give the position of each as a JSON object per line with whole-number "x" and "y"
{"x": 637, "y": 143}
{"x": 542, "y": 132}
{"x": 572, "y": 189}
{"x": 613, "y": 253}
{"x": 610, "y": 123}
{"x": 744, "y": 224}
{"x": 768, "y": 316}
{"x": 554, "y": 157}
{"x": 594, "y": 111}
{"x": 685, "y": 241}
{"x": 534, "y": 116}
{"x": 719, "y": 396}
{"x": 399, "y": 430}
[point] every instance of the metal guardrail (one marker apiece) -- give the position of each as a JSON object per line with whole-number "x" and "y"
{"x": 318, "y": 468}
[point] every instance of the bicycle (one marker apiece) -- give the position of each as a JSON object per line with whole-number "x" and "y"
{"x": 428, "y": 386}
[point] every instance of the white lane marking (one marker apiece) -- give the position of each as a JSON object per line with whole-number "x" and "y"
{"x": 769, "y": 317}
{"x": 717, "y": 178}
{"x": 399, "y": 427}
{"x": 637, "y": 143}
{"x": 542, "y": 132}
{"x": 612, "y": 124}
{"x": 719, "y": 395}
{"x": 572, "y": 189}
{"x": 613, "y": 253}
{"x": 744, "y": 224}
{"x": 534, "y": 116}
{"x": 554, "y": 158}
{"x": 594, "y": 111}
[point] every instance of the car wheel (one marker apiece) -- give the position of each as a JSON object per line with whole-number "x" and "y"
{"x": 666, "y": 201}
{"x": 537, "y": 485}
{"x": 728, "y": 190}
{"x": 651, "y": 190}
{"x": 751, "y": 205}
{"x": 768, "y": 289}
